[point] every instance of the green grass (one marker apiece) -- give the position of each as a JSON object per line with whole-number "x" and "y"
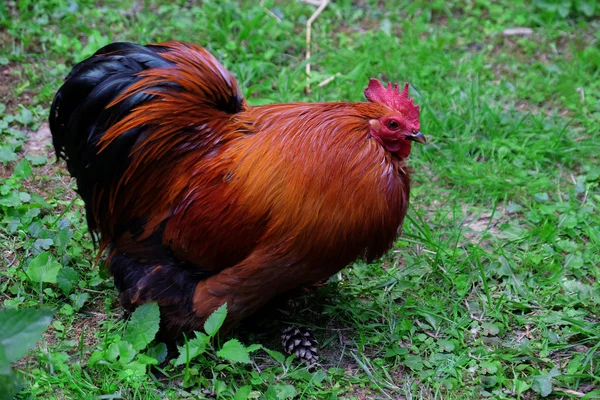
{"x": 492, "y": 290}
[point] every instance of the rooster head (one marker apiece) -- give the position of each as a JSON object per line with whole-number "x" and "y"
{"x": 399, "y": 127}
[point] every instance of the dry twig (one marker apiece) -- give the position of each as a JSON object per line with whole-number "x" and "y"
{"x": 312, "y": 18}
{"x": 569, "y": 391}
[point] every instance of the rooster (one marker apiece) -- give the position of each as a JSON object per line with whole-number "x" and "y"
{"x": 200, "y": 199}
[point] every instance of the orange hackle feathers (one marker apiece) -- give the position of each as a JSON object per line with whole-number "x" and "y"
{"x": 206, "y": 200}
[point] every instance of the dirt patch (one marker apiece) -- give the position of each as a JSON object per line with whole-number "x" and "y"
{"x": 5, "y": 172}
{"x": 9, "y": 78}
{"x": 83, "y": 329}
{"x": 49, "y": 341}
{"x": 481, "y": 228}
{"x": 49, "y": 178}
{"x": 38, "y": 141}
{"x": 477, "y": 226}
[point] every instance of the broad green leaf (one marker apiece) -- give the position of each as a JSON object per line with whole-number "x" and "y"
{"x": 219, "y": 387}
{"x": 112, "y": 352}
{"x": 490, "y": 329}
{"x": 4, "y": 363}
{"x": 541, "y": 197}
{"x": 277, "y": 356}
{"x": 43, "y": 244}
{"x": 521, "y": 386}
{"x": 95, "y": 357}
{"x": 79, "y": 300}
{"x": 396, "y": 351}
{"x": 25, "y": 117}
{"x": 22, "y": 170}
{"x": 37, "y": 160}
{"x": 234, "y": 351}
{"x": 62, "y": 238}
{"x": 126, "y": 352}
{"x": 16, "y": 133}
{"x": 143, "y": 325}
{"x": 593, "y": 174}
{"x": 10, "y": 385}
{"x": 513, "y": 207}
{"x": 7, "y": 154}
{"x": 542, "y": 385}
{"x": 66, "y": 279}
{"x": 144, "y": 359}
{"x": 280, "y": 392}
{"x": 43, "y": 268}
{"x": 253, "y": 347}
{"x": 568, "y": 246}
{"x": 432, "y": 320}
{"x": 24, "y": 197}
{"x": 21, "y": 329}
{"x": 158, "y": 352}
{"x": 586, "y": 7}
{"x": 192, "y": 348}
{"x": 132, "y": 370}
{"x": 215, "y": 320}
{"x": 243, "y": 393}
{"x": 446, "y": 345}
{"x": 11, "y": 200}
{"x": 414, "y": 362}
{"x": 66, "y": 309}
{"x": 386, "y": 26}
{"x": 489, "y": 367}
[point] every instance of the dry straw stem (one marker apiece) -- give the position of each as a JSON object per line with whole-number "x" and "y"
{"x": 322, "y": 4}
{"x": 271, "y": 13}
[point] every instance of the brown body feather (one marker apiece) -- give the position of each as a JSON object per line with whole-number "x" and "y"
{"x": 250, "y": 203}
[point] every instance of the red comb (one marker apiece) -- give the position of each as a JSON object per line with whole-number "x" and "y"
{"x": 393, "y": 98}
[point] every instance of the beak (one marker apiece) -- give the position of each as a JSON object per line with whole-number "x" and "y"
{"x": 417, "y": 137}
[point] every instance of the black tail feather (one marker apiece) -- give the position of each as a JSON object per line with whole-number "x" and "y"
{"x": 79, "y": 116}
{"x": 172, "y": 286}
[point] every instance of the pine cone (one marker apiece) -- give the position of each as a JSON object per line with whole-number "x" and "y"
{"x": 301, "y": 342}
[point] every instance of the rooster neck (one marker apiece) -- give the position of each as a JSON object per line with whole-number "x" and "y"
{"x": 310, "y": 115}
{"x": 326, "y": 130}
{"x": 320, "y": 134}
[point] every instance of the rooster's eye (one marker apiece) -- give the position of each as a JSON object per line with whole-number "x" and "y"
{"x": 393, "y": 125}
